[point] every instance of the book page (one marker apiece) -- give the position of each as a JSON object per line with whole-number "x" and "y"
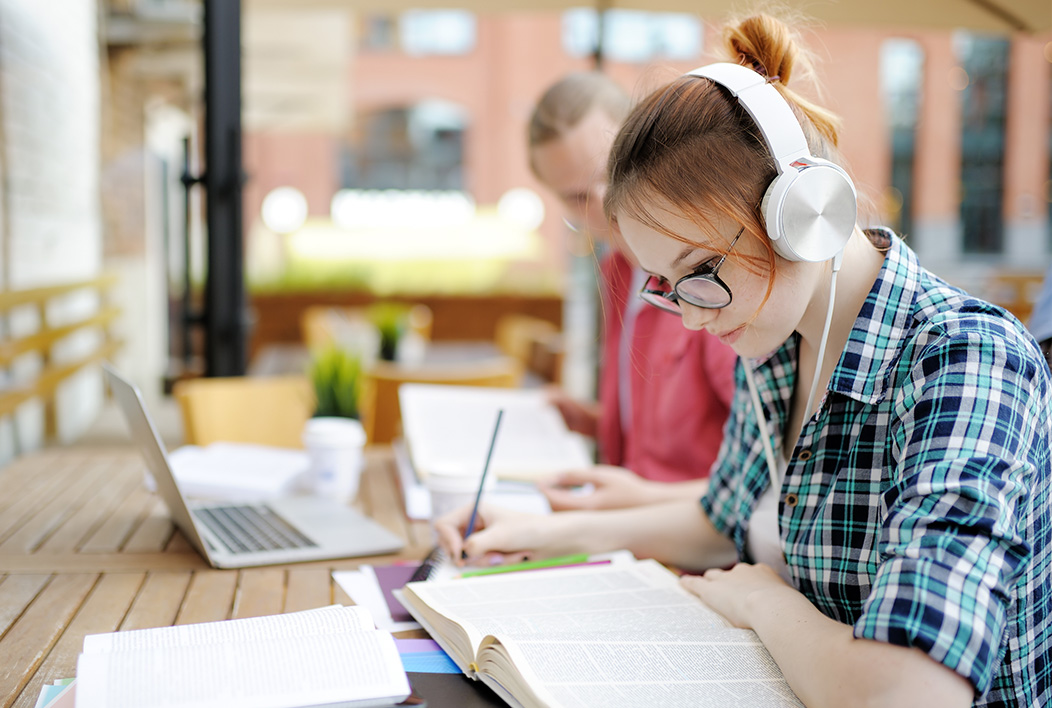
{"x": 359, "y": 668}
{"x": 725, "y": 667}
{"x": 334, "y": 619}
{"x": 630, "y": 598}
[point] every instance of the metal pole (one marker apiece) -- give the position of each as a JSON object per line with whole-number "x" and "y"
{"x": 225, "y": 302}
{"x": 188, "y": 318}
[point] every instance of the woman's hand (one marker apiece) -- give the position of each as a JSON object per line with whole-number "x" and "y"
{"x": 579, "y": 416}
{"x": 611, "y": 488}
{"x": 734, "y": 592}
{"x": 608, "y": 487}
{"x": 502, "y": 536}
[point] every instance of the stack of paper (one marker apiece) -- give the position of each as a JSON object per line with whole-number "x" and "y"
{"x": 326, "y": 657}
{"x": 58, "y": 694}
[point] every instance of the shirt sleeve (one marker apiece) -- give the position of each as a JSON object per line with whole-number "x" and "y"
{"x": 955, "y": 536}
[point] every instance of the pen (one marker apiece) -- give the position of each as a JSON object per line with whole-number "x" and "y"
{"x": 482, "y": 480}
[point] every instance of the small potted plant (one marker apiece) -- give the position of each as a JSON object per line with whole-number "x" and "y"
{"x": 391, "y": 320}
{"x": 337, "y": 378}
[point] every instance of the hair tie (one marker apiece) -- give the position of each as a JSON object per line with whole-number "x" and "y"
{"x": 762, "y": 71}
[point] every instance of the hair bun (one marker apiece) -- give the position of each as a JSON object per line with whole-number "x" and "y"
{"x": 764, "y": 43}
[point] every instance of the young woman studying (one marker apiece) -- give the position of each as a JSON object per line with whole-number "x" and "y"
{"x": 879, "y": 513}
{"x": 664, "y": 392}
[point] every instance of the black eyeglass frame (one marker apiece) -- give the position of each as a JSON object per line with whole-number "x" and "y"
{"x": 669, "y": 300}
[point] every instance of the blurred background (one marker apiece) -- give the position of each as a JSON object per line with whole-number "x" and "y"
{"x": 188, "y": 177}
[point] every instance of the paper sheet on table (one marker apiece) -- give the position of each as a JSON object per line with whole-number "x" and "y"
{"x": 237, "y": 472}
{"x": 362, "y": 586}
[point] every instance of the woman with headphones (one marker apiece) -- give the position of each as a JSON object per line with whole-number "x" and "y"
{"x": 879, "y": 513}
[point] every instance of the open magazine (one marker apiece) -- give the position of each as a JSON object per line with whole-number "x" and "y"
{"x": 619, "y": 634}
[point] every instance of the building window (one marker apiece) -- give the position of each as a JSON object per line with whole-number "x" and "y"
{"x": 430, "y": 32}
{"x": 901, "y": 73}
{"x": 631, "y": 35}
{"x": 984, "y": 61}
{"x": 379, "y": 33}
{"x": 420, "y": 147}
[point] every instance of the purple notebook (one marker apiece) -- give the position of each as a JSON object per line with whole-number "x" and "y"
{"x": 393, "y": 577}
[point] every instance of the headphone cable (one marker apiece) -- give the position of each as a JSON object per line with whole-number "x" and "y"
{"x": 761, "y": 419}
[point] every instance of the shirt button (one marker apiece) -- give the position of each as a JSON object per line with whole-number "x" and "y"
{"x": 791, "y": 499}
{"x": 804, "y": 455}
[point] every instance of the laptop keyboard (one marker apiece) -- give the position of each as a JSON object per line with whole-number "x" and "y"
{"x": 245, "y": 528}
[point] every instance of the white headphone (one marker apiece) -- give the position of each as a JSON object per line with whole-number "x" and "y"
{"x": 810, "y": 208}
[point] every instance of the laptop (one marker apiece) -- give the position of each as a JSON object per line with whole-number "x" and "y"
{"x": 235, "y": 535}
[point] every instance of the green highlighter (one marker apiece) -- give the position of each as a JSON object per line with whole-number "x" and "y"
{"x": 578, "y": 559}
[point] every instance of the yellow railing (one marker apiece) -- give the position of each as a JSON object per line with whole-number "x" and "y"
{"x": 41, "y": 342}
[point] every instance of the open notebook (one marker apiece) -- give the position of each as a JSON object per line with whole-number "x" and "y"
{"x": 448, "y": 429}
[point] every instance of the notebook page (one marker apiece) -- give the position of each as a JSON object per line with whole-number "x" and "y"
{"x": 448, "y": 429}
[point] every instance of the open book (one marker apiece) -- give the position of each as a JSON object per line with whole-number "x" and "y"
{"x": 620, "y": 634}
{"x": 330, "y": 657}
{"x": 448, "y": 429}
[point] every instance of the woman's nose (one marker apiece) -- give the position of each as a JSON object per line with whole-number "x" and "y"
{"x": 694, "y": 317}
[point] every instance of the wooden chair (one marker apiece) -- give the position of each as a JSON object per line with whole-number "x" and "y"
{"x": 1016, "y": 291}
{"x": 381, "y": 413}
{"x": 246, "y": 409}
{"x": 535, "y": 343}
{"x": 547, "y": 355}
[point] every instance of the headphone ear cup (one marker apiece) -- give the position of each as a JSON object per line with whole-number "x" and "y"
{"x": 810, "y": 210}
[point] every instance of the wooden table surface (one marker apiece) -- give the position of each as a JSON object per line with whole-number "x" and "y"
{"x": 86, "y": 548}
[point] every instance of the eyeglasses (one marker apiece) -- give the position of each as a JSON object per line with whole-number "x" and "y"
{"x": 702, "y": 288}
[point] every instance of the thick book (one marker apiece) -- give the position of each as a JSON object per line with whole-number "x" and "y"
{"x": 617, "y": 635}
{"x": 448, "y": 430}
{"x": 330, "y": 657}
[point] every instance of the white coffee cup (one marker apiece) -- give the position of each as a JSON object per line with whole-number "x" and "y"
{"x": 452, "y": 489}
{"x": 336, "y": 450}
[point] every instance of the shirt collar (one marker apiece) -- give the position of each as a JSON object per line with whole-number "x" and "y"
{"x": 878, "y": 335}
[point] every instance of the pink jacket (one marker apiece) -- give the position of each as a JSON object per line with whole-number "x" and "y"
{"x": 682, "y": 383}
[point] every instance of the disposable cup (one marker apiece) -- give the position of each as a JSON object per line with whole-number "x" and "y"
{"x": 336, "y": 450}
{"x": 453, "y": 489}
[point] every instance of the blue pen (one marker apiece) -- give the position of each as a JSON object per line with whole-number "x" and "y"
{"x": 482, "y": 481}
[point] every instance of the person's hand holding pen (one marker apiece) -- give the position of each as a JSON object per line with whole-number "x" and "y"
{"x": 505, "y": 536}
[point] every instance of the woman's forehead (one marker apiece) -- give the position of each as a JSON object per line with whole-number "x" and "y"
{"x": 652, "y": 248}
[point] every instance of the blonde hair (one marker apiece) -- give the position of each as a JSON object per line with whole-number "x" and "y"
{"x": 566, "y": 103}
{"x": 693, "y": 147}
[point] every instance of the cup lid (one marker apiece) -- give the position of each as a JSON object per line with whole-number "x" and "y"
{"x": 333, "y": 431}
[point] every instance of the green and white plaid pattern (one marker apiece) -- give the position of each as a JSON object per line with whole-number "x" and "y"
{"x": 916, "y": 504}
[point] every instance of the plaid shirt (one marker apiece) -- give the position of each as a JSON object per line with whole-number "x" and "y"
{"x": 916, "y": 503}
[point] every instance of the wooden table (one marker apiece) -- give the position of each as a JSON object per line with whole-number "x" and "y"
{"x": 85, "y": 548}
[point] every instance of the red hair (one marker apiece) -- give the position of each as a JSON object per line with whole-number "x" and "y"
{"x": 691, "y": 147}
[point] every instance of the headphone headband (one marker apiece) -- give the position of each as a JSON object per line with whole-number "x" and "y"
{"x": 769, "y": 110}
{"x": 809, "y": 208}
